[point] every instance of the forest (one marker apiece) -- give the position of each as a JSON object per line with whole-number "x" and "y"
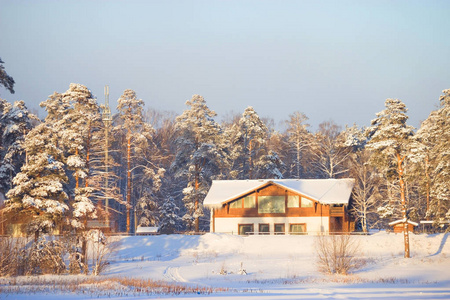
{"x": 81, "y": 165}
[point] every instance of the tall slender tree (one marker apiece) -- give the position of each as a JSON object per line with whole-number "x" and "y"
{"x": 330, "y": 151}
{"x": 139, "y": 142}
{"x": 389, "y": 138}
{"x": 198, "y": 157}
{"x": 300, "y": 142}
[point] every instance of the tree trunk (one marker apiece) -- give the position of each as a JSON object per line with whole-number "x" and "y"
{"x": 250, "y": 160}
{"x": 197, "y": 222}
{"x": 403, "y": 199}
{"x": 128, "y": 180}
{"x": 427, "y": 186}
{"x": 77, "y": 180}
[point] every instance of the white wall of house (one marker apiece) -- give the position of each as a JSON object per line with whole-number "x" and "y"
{"x": 314, "y": 225}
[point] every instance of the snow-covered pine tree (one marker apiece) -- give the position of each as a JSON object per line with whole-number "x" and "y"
{"x": 169, "y": 219}
{"x": 38, "y": 189}
{"x": 75, "y": 115}
{"x": 269, "y": 166}
{"x": 248, "y": 138}
{"x": 140, "y": 152}
{"x": 432, "y": 150}
{"x": 199, "y": 155}
{"x": 16, "y": 121}
{"x": 6, "y": 80}
{"x": 389, "y": 138}
{"x": 81, "y": 122}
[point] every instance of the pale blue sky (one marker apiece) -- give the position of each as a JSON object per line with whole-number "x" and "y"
{"x": 335, "y": 60}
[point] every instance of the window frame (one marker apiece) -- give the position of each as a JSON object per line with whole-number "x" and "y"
{"x": 246, "y": 224}
{"x": 306, "y": 199}
{"x": 254, "y": 201}
{"x": 264, "y": 232}
{"x": 297, "y": 232}
{"x": 279, "y": 232}
{"x": 260, "y": 197}
{"x": 298, "y": 201}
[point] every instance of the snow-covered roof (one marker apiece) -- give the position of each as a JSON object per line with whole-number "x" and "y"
{"x": 403, "y": 221}
{"x": 325, "y": 191}
{"x": 146, "y": 230}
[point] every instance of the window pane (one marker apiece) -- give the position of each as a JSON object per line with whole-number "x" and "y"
{"x": 264, "y": 228}
{"x": 245, "y": 229}
{"x": 279, "y": 228}
{"x": 293, "y": 201}
{"x": 271, "y": 204}
{"x": 297, "y": 228}
{"x": 249, "y": 202}
{"x": 236, "y": 204}
{"x": 307, "y": 203}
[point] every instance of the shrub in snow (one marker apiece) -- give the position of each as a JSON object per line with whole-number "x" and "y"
{"x": 336, "y": 254}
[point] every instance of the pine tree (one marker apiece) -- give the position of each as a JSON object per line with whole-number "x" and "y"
{"x": 432, "y": 152}
{"x": 16, "y": 121}
{"x": 270, "y": 166}
{"x": 139, "y": 140}
{"x": 82, "y": 123}
{"x": 75, "y": 115}
{"x": 38, "y": 189}
{"x": 198, "y": 157}
{"x": 168, "y": 217}
{"x": 6, "y": 80}
{"x": 248, "y": 138}
{"x": 389, "y": 138}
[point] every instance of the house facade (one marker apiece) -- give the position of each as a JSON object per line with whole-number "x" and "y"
{"x": 280, "y": 206}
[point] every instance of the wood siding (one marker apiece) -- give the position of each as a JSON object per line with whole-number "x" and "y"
{"x": 317, "y": 209}
{"x": 339, "y": 218}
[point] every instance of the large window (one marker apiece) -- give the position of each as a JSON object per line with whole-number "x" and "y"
{"x": 271, "y": 204}
{"x": 245, "y": 229}
{"x": 236, "y": 204}
{"x": 297, "y": 228}
{"x": 250, "y": 202}
{"x": 279, "y": 228}
{"x": 307, "y": 203}
{"x": 293, "y": 201}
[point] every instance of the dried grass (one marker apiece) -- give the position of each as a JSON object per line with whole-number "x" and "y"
{"x": 99, "y": 286}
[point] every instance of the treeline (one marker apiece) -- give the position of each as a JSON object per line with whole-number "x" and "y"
{"x": 152, "y": 168}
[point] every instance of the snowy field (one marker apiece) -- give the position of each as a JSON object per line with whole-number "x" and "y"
{"x": 276, "y": 267}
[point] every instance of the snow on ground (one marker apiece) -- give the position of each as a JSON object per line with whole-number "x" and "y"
{"x": 283, "y": 267}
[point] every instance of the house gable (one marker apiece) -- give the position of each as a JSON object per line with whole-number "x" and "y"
{"x": 270, "y": 200}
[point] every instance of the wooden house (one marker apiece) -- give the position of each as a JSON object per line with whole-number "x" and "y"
{"x": 280, "y": 206}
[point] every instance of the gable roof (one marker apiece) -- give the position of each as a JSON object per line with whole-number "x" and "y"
{"x": 325, "y": 191}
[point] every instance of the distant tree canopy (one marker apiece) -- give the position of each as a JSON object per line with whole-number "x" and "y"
{"x": 154, "y": 168}
{"x": 6, "y": 80}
